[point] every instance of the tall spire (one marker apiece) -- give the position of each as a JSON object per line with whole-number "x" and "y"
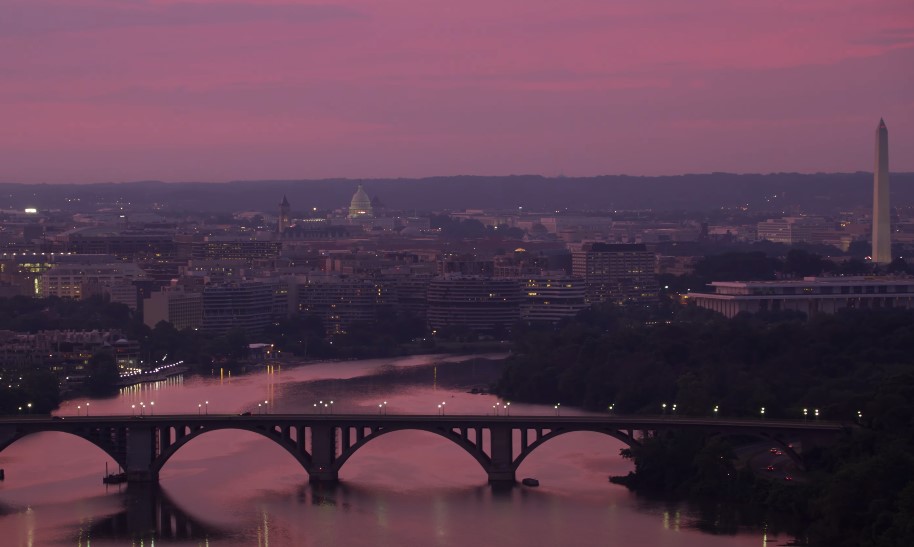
{"x": 284, "y": 221}
{"x": 882, "y": 230}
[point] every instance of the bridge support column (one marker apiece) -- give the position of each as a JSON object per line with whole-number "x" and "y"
{"x": 323, "y": 454}
{"x": 140, "y": 454}
{"x": 502, "y": 467}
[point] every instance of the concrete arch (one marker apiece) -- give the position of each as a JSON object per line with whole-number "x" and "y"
{"x": 469, "y": 447}
{"x": 615, "y": 434}
{"x": 109, "y": 450}
{"x": 302, "y": 457}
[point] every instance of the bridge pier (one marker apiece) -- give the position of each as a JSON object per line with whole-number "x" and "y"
{"x": 323, "y": 454}
{"x": 501, "y": 469}
{"x": 140, "y": 454}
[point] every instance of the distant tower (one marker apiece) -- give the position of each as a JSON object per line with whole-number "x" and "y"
{"x": 882, "y": 233}
{"x": 283, "y": 216}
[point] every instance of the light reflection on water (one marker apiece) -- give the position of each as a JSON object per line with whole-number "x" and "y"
{"x": 403, "y": 488}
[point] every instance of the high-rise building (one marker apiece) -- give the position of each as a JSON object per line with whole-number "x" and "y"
{"x": 882, "y": 233}
{"x": 284, "y": 221}
{"x": 616, "y": 273}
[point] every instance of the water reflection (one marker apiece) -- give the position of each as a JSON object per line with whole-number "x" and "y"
{"x": 150, "y": 515}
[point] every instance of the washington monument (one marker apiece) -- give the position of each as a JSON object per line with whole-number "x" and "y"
{"x": 882, "y": 233}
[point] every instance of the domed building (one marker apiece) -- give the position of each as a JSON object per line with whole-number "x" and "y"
{"x": 360, "y": 206}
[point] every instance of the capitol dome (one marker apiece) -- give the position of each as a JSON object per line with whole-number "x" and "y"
{"x": 360, "y": 206}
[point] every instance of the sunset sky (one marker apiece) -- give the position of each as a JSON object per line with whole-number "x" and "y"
{"x": 212, "y": 90}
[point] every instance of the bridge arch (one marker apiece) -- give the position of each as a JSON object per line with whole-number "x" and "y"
{"x": 626, "y": 437}
{"x": 7, "y": 439}
{"x": 293, "y": 447}
{"x": 469, "y": 447}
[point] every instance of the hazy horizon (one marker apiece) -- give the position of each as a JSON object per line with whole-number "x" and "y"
{"x": 230, "y": 90}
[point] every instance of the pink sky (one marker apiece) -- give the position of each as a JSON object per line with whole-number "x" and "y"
{"x": 213, "y": 90}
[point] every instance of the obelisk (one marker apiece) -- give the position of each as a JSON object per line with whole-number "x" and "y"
{"x": 882, "y": 232}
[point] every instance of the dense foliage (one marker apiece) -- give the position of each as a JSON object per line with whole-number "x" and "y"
{"x": 856, "y": 361}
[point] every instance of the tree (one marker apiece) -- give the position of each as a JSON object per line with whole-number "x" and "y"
{"x": 103, "y": 374}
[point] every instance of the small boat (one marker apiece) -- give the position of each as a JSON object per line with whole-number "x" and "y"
{"x": 530, "y": 482}
{"x": 115, "y": 478}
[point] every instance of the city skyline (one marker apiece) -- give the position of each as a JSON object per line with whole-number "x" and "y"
{"x": 215, "y": 91}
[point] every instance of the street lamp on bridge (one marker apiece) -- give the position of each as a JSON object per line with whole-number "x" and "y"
{"x": 805, "y": 413}
{"x": 87, "y": 409}
{"x": 508, "y": 408}
{"x": 716, "y": 410}
{"x": 558, "y": 408}
{"x": 763, "y": 412}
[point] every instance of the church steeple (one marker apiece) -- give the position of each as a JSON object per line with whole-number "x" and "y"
{"x": 283, "y": 223}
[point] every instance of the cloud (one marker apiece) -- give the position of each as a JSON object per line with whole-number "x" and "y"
{"x": 34, "y": 17}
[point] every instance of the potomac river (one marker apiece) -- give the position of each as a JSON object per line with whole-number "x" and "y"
{"x": 237, "y": 488}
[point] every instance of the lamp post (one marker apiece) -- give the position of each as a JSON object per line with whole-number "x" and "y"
{"x": 611, "y": 408}
{"x": 199, "y": 409}
{"x": 142, "y": 408}
{"x": 558, "y": 409}
{"x": 30, "y": 407}
{"x": 331, "y": 407}
{"x": 206, "y": 408}
{"x": 663, "y": 409}
{"x": 508, "y": 408}
{"x": 87, "y": 409}
{"x": 716, "y": 410}
{"x": 259, "y": 408}
{"x": 674, "y": 409}
{"x": 762, "y": 412}
{"x": 442, "y": 407}
{"x": 152, "y": 408}
{"x": 859, "y": 417}
{"x": 133, "y": 410}
{"x": 816, "y": 413}
{"x": 78, "y": 410}
{"x": 440, "y": 412}
{"x": 266, "y": 407}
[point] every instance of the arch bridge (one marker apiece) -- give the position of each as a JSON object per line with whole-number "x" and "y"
{"x": 323, "y": 443}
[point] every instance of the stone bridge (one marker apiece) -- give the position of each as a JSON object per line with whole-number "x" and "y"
{"x": 323, "y": 443}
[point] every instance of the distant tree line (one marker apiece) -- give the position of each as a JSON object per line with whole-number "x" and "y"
{"x": 855, "y": 361}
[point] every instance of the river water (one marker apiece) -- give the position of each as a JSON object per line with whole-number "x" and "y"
{"x": 237, "y": 488}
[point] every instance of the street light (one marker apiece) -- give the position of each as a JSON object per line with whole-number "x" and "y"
{"x": 133, "y": 410}
{"x": 199, "y": 409}
{"x": 207, "y": 407}
{"x": 30, "y": 407}
{"x": 152, "y": 408}
{"x": 78, "y": 410}
{"x": 763, "y": 413}
{"x": 142, "y": 408}
{"x": 442, "y": 407}
{"x": 507, "y": 409}
{"x": 674, "y": 408}
{"x": 557, "y": 409}
{"x": 662, "y": 409}
{"x": 87, "y": 409}
{"x": 816, "y": 412}
{"x": 610, "y": 408}
{"x": 260, "y": 408}
{"x": 331, "y": 407}
{"x": 440, "y": 412}
{"x": 716, "y": 410}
